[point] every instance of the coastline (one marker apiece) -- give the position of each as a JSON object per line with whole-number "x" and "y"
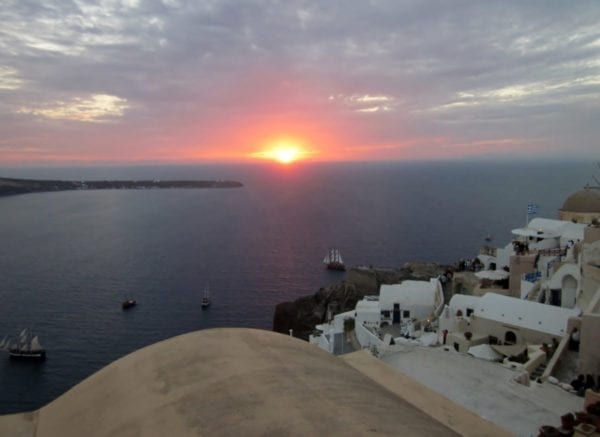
{"x": 13, "y": 186}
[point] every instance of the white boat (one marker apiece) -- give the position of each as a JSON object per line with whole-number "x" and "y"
{"x": 26, "y": 347}
{"x": 205, "y": 298}
{"x": 333, "y": 260}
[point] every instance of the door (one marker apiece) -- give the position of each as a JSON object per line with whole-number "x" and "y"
{"x": 396, "y": 319}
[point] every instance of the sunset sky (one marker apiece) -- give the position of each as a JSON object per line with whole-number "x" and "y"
{"x": 201, "y": 81}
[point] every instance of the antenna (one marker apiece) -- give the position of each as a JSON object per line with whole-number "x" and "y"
{"x": 597, "y": 186}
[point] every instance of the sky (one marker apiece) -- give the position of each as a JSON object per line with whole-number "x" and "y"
{"x": 179, "y": 81}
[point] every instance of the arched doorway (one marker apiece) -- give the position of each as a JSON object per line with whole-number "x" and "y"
{"x": 510, "y": 337}
{"x": 569, "y": 291}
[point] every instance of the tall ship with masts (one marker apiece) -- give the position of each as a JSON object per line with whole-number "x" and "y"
{"x": 26, "y": 347}
{"x": 333, "y": 260}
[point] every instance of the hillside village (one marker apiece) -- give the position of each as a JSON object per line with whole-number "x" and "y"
{"x": 511, "y": 334}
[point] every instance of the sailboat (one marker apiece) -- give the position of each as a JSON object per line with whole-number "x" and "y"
{"x": 26, "y": 347}
{"x": 205, "y": 298}
{"x": 333, "y": 260}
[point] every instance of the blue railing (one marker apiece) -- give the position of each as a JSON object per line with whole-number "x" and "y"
{"x": 533, "y": 276}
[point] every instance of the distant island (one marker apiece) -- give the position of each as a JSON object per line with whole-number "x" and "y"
{"x": 10, "y": 186}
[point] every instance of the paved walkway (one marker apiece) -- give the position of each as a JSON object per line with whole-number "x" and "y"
{"x": 486, "y": 388}
{"x": 461, "y": 420}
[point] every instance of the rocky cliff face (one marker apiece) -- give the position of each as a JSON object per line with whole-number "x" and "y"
{"x": 304, "y": 313}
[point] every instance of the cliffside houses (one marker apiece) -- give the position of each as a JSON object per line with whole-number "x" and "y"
{"x": 532, "y": 259}
{"x": 550, "y": 298}
{"x": 556, "y": 263}
{"x": 401, "y": 310}
{"x": 531, "y": 304}
{"x": 515, "y": 330}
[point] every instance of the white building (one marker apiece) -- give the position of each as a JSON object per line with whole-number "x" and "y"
{"x": 410, "y": 300}
{"x": 502, "y": 319}
{"x": 543, "y": 233}
{"x": 532, "y": 321}
{"x": 330, "y": 336}
{"x": 542, "y": 262}
{"x": 540, "y": 234}
{"x": 399, "y": 310}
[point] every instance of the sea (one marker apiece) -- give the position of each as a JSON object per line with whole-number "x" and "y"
{"x": 69, "y": 259}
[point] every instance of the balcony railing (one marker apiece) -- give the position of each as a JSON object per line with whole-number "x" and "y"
{"x": 533, "y": 276}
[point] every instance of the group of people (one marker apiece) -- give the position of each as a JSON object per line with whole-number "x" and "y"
{"x": 520, "y": 247}
{"x": 583, "y": 383}
{"x": 446, "y": 276}
{"x": 473, "y": 265}
{"x": 550, "y": 349}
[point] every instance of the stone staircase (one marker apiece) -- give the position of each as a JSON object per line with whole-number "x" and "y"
{"x": 534, "y": 295}
{"x": 538, "y": 372}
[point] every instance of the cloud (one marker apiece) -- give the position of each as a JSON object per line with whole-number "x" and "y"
{"x": 184, "y": 70}
{"x": 372, "y": 99}
{"x": 577, "y": 89}
{"x": 366, "y": 103}
{"x": 382, "y": 108}
{"x": 9, "y": 79}
{"x": 95, "y": 108}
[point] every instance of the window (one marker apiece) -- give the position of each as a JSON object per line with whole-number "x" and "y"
{"x": 405, "y": 314}
{"x": 470, "y": 311}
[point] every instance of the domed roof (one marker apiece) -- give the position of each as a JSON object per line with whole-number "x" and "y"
{"x": 228, "y": 381}
{"x": 587, "y": 200}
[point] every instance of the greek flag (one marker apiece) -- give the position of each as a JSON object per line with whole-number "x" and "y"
{"x": 532, "y": 208}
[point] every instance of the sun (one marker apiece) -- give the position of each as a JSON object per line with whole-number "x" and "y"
{"x": 283, "y": 151}
{"x": 286, "y": 154}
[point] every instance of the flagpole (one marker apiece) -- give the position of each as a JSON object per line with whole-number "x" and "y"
{"x": 531, "y": 209}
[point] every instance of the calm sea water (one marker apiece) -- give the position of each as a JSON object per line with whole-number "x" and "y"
{"x": 68, "y": 259}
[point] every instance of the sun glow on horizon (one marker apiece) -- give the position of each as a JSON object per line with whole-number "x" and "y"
{"x": 285, "y": 155}
{"x": 284, "y": 152}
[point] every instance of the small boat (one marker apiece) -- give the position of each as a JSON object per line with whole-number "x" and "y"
{"x": 333, "y": 260}
{"x": 205, "y": 298}
{"x": 128, "y": 303}
{"x": 26, "y": 347}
